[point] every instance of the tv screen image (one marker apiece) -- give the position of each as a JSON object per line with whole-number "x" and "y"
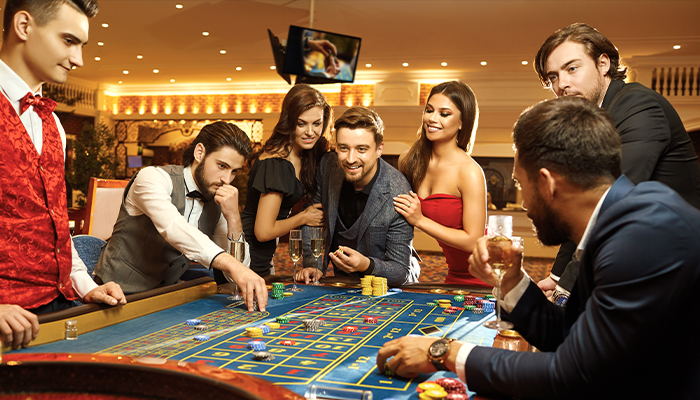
{"x": 321, "y": 57}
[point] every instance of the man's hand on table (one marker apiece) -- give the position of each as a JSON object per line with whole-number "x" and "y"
{"x": 410, "y": 356}
{"x": 17, "y": 326}
{"x": 309, "y": 275}
{"x": 251, "y": 285}
{"x": 479, "y": 266}
{"x": 109, "y": 293}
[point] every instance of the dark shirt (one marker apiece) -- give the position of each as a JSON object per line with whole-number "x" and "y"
{"x": 350, "y": 207}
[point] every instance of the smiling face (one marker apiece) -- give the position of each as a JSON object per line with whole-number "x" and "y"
{"x": 308, "y": 130}
{"x": 53, "y": 49}
{"x": 442, "y": 120}
{"x": 216, "y": 169}
{"x": 572, "y": 72}
{"x": 358, "y": 155}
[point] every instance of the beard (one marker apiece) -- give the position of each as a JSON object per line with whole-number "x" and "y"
{"x": 202, "y": 182}
{"x": 354, "y": 178}
{"x": 549, "y": 224}
{"x": 596, "y": 96}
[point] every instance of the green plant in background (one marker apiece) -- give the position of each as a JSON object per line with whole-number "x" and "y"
{"x": 94, "y": 156}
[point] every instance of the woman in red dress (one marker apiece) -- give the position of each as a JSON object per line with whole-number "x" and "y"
{"x": 448, "y": 201}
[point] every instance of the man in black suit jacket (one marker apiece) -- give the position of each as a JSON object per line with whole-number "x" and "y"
{"x": 639, "y": 248}
{"x": 579, "y": 61}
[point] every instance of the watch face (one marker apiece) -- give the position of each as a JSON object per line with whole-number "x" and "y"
{"x": 439, "y": 348}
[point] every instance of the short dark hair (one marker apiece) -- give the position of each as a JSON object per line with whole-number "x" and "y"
{"x": 595, "y": 43}
{"x": 43, "y": 11}
{"x": 362, "y": 118}
{"x": 572, "y": 137}
{"x": 217, "y": 135}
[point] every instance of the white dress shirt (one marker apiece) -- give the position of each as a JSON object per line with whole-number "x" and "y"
{"x": 510, "y": 300}
{"x": 14, "y": 88}
{"x": 150, "y": 194}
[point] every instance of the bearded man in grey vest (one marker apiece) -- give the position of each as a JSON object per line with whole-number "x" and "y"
{"x": 174, "y": 215}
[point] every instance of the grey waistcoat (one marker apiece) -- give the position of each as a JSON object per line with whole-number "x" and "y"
{"x": 137, "y": 257}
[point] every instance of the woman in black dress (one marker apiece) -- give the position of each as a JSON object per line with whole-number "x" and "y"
{"x": 284, "y": 173}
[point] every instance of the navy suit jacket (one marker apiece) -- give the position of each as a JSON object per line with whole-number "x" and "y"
{"x": 384, "y": 235}
{"x": 630, "y": 326}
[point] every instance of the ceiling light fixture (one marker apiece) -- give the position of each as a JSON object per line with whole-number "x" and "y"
{"x": 523, "y": 62}
{"x": 125, "y": 72}
{"x": 368, "y": 65}
{"x": 677, "y": 46}
{"x": 444, "y": 64}
{"x": 155, "y": 71}
{"x": 205, "y": 33}
{"x": 228, "y": 79}
{"x": 139, "y": 56}
{"x": 172, "y": 81}
{"x": 239, "y": 68}
{"x": 73, "y": 67}
{"x": 273, "y": 67}
{"x": 178, "y": 6}
{"x": 97, "y": 58}
{"x": 405, "y": 64}
{"x": 100, "y": 43}
{"x": 120, "y": 82}
{"x": 483, "y": 63}
{"x": 222, "y": 51}
{"x": 105, "y": 25}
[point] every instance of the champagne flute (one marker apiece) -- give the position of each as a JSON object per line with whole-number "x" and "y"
{"x": 316, "y": 246}
{"x": 238, "y": 252}
{"x": 295, "y": 250}
{"x": 500, "y": 232}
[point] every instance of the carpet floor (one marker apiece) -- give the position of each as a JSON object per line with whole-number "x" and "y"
{"x": 433, "y": 267}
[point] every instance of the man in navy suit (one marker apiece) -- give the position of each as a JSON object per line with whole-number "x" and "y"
{"x": 639, "y": 248}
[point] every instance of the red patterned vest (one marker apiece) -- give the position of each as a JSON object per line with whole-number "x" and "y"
{"x": 35, "y": 245}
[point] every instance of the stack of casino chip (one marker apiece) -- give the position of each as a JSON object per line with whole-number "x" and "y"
{"x": 257, "y": 345}
{"x": 431, "y": 391}
{"x": 444, "y": 303}
{"x": 457, "y": 396}
{"x": 366, "y": 283}
{"x": 452, "y": 385}
{"x": 278, "y": 290}
{"x": 193, "y": 322}
{"x": 263, "y": 356}
{"x": 379, "y": 286}
{"x": 490, "y": 297}
{"x": 254, "y": 332}
{"x": 312, "y": 325}
{"x": 478, "y": 310}
{"x": 459, "y": 299}
{"x": 272, "y": 325}
{"x": 265, "y": 328}
{"x": 469, "y": 301}
{"x": 283, "y": 319}
{"x": 371, "y": 320}
{"x": 488, "y": 306}
{"x": 201, "y": 327}
{"x": 202, "y": 338}
{"x": 470, "y": 308}
{"x": 349, "y": 329}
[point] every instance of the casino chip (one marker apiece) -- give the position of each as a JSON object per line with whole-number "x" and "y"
{"x": 457, "y": 396}
{"x": 257, "y": 345}
{"x": 452, "y": 385}
{"x": 283, "y": 319}
{"x": 428, "y": 385}
{"x": 288, "y": 343}
{"x": 434, "y": 394}
{"x": 193, "y": 322}
{"x": 201, "y": 327}
{"x": 263, "y": 356}
{"x": 396, "y": 290}
{"x": 202, "y": 338}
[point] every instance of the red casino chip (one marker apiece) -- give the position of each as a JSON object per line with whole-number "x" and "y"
{"x": 452, "y": 385}
{"x": 288, "y": 343}
{"x": 349, "y": 329}
{"x": 457, "y": 396}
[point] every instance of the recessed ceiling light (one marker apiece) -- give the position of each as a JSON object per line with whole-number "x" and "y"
{"x": 228, "y": 79}
{"x": 483, "y": 63}
{"x": 100, "y": 43}
{"x": 444, "y": 64}
{"x": 205, "y": 33}
{"x": 405, "y": 64}
{"x": 120, "y": 82}
{"x": 676, "y": 47}
{"x": 172, "y": 81}
{"x": 239, "y": 68}
{"x": 155, "y": 71}
{"x": 105, "y": 25}
{"x": 368, "y": 65}
{"x": 178, "y": 6}
{"x": 139, "y": 56}
{"x": 222, "y": 51}
{"x": 97, "y": 58}
{"x": 125, "y": 72}
{"x": 523, "y": 62}
{"x": 273, "y": 67}
{"x": 73, "y": 67}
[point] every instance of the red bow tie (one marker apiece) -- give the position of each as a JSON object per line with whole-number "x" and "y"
{"x": 42, "y": 105}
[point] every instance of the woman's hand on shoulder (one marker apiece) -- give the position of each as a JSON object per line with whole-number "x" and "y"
{"x": 408, "y": 205}
{"x": 313, "y": 215}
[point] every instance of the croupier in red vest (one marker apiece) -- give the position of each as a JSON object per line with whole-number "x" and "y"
{"x": 39, "y": 269}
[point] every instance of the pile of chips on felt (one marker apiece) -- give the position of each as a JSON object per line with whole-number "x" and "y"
{"x": 257, "y": 345}
{"x": 366, "y": 283}
{"x": 312, "y": 325}
{"x": 283, "y": 319}
{"x": 263, "y": 356}
{"x": 277, "y": 290}
{"x": 379, "y": 286}
{"x": 443, "y": 388}
{"x": 254, "y": 332}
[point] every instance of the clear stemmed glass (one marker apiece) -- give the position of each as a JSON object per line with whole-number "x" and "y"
{"x": 295, "y": 249}
{"x": 500, "y": 242}
{"x": 317, "y": 246}
{"x": 238, "y": 252}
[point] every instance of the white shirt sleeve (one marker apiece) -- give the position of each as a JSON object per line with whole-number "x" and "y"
{"x": 150, "y": 194}
{"x": 511, "y": 299}
{"x": 461, "y": 360}
{"x": 82, "y": 281}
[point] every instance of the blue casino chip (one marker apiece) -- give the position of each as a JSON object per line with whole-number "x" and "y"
{"x": 202, "y": 338}
{"x": 265, "y": 328}
{"x": 397, "y": 290}
{"x": 193, "y": 322}
{"x": 257, "y": 345}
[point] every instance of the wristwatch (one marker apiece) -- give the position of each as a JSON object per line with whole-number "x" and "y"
{"x": 437, "y": 353}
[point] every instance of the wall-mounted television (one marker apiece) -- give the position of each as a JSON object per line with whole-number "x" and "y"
{"x": 278, "y": 52}
{"x": 316, "y": 56}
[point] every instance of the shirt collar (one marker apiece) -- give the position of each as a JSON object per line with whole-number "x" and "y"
{"x": 589, "y": 227}
{"x": 12, "y": 85}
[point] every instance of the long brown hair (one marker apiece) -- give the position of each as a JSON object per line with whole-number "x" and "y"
{"x": 415, "y": 163}
{"x": 298, "y": 100}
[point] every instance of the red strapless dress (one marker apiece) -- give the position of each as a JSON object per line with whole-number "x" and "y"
{"x": 446, "y": 210}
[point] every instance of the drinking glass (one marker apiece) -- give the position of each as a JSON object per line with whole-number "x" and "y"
{"x": 238, "y": 252}
{"x": 500, "y": 232}
{"x": 317, "y": 246}
{"x": 295, "y": 250}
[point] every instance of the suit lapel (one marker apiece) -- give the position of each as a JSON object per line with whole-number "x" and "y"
{"x": 335, "y": 183}
{"x": 376, "y": 200}
{"x": 613, "y": 89}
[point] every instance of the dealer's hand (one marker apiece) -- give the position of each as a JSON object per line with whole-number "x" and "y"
{"x": 410, "y": 356}
{"x": 17, "y": 326}
{"x": 479, "y": 266}
{"x": 349, "y": 260}
{"x": 309, "y": 275}
{"x": 251, "y": 285}
{"x": 109, "y": 293}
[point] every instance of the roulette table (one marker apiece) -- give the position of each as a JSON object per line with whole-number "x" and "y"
{"x": 156, "y": 331}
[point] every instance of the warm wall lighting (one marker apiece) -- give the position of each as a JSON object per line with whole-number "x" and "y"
{"x": 155, "y": 71}
{"x": 100, "y": 43}
{"x": 178, "y": 6}
{"x": 210, "y": 110}
{"x": 168, "y": 109}
{"x": 115, "y": 109}
{"x": 181, "y": 109}
{"x": 73, "y": 67}
{"x": 120, "y": 82}
{"x": 224, "y": 108}
{"x": 228, "y": 79}
{"x": 238, "y": 107}
{"x": 205, "y": 33}
{"x": 268, "y": 110}
{"x": 524, "y": 62}
{"x": 368, "y": 65}
{"x": 140, "y": 57}
{"x": 125, "y": 72}
{"x": 366, "y": 100}
{"x": 128, "y": 112}
{"x": 349, "y": 102}
{"x": 172, "y": 81}
{"x": 142, "y": 110}
{"x": 195, "y": 109}
{"x": 154, "y": 109}
{"x": 272, "y": 67}
{"x": 253, "y": 109}
{"x": 105, "y": 25}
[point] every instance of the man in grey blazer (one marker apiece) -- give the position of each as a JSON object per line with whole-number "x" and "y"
{"x": 365, "y": 235}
